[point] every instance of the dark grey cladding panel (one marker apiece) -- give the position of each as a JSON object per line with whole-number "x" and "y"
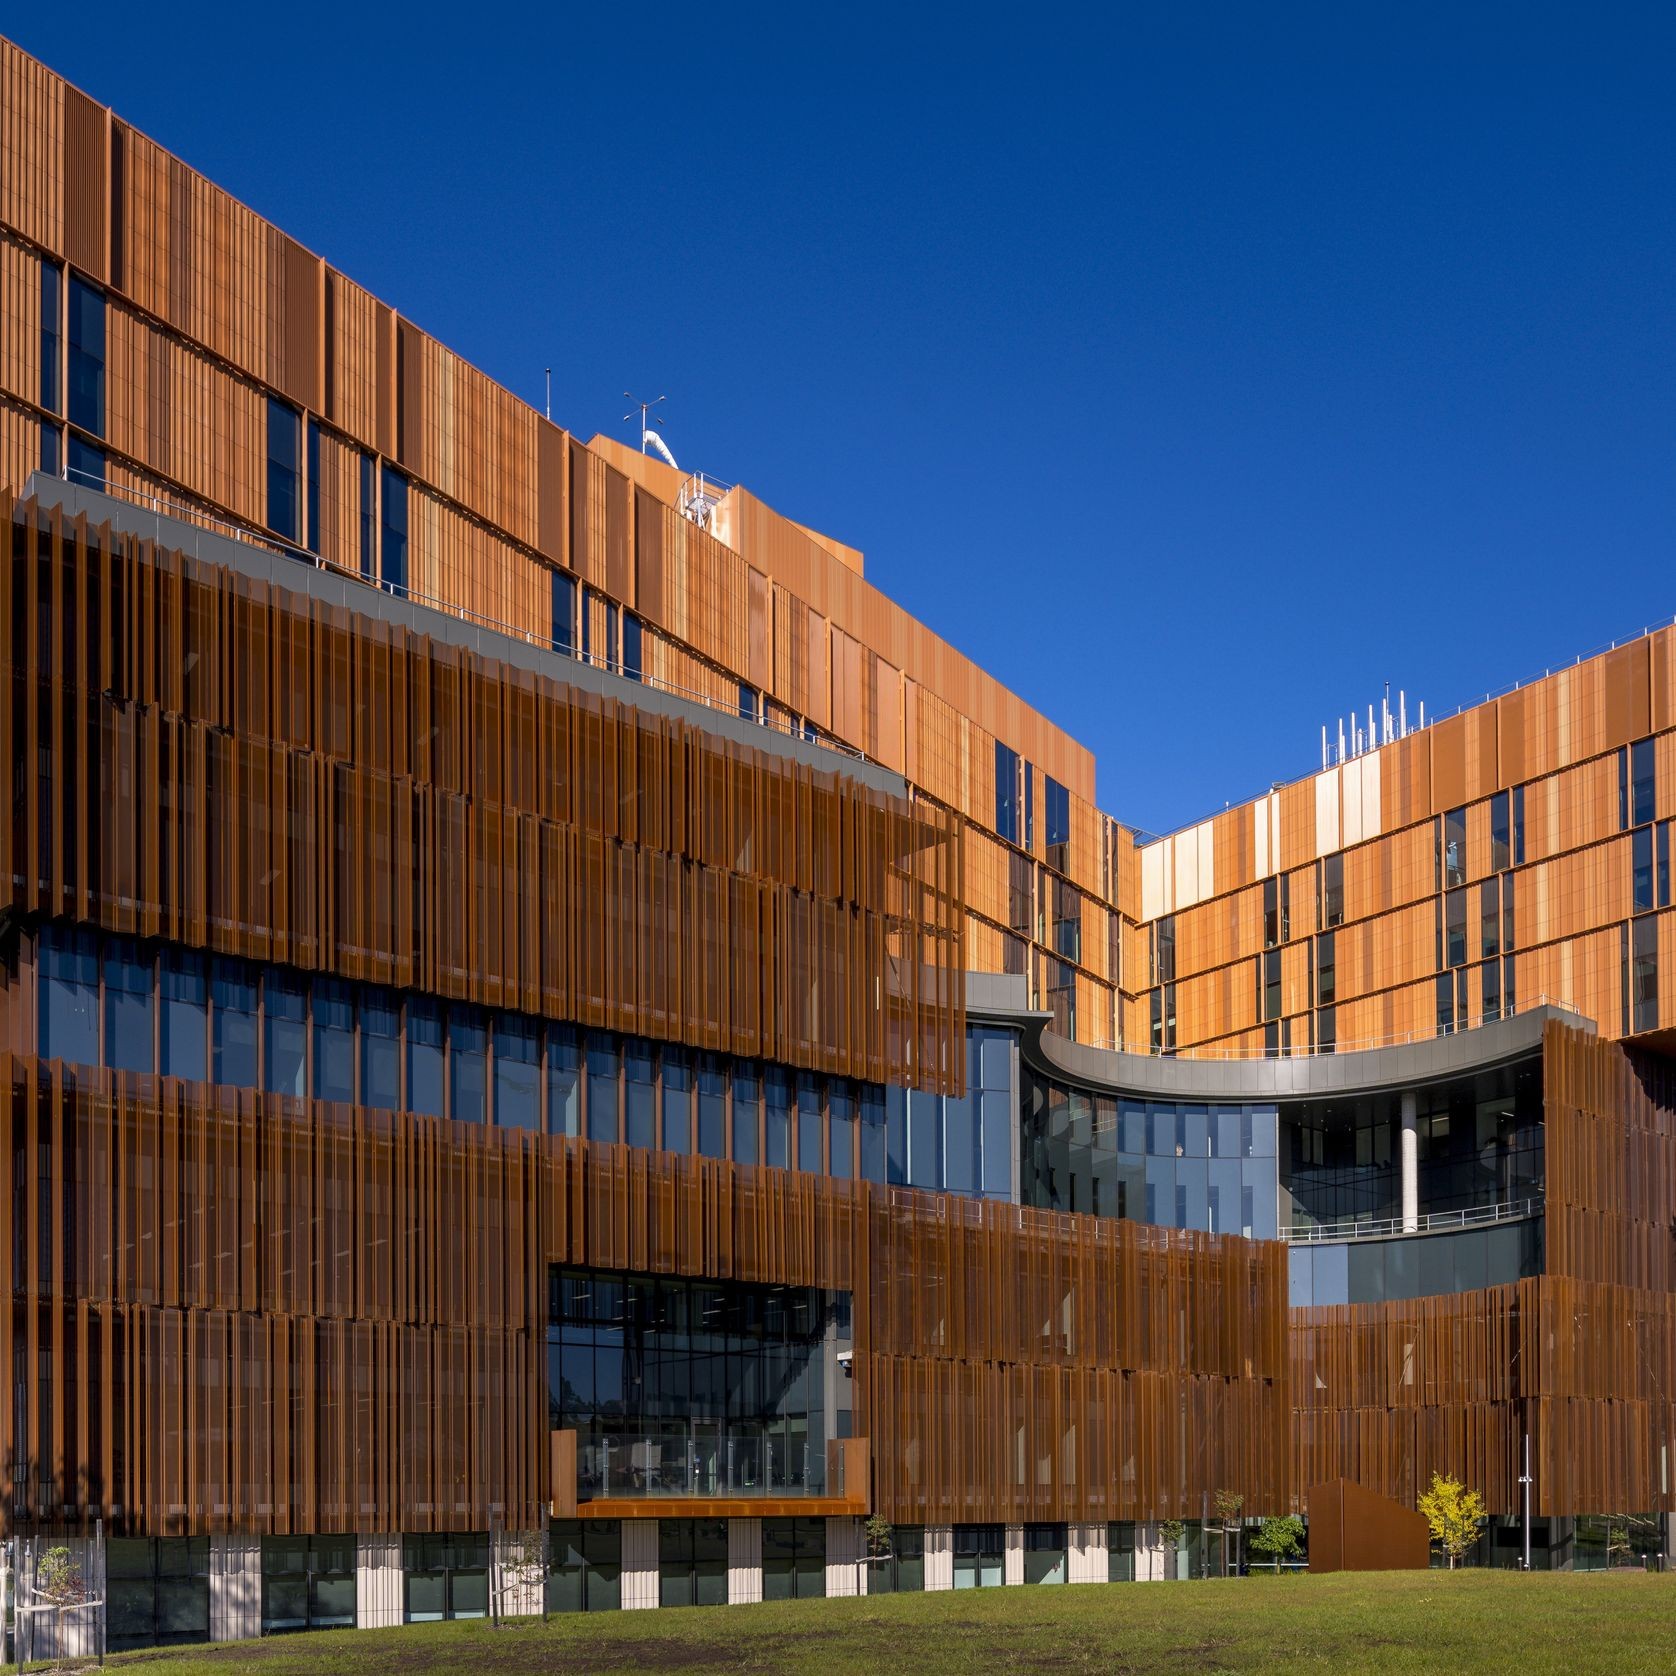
{"x": 1406, "y": 1065}
{"x": 334, "y": 588}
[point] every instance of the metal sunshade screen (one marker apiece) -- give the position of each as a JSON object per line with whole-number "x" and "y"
{"x": 233, "y": 766}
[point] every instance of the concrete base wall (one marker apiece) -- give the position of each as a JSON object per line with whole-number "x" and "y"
{"x": 64, "y": 1634}
{"x": 1012, "y": 1565}
{"x": 1087, "y": 1554}
{"x": 939, "y": 1557}
{"x": 378, "y": 1582}
{"x": 1152, "y": 1560}
{"x": 640, "y": 1564}
{"x": 846, "y": 1554}
{"x": 744, "y": 1561}
{"x": 235, "y": 1588}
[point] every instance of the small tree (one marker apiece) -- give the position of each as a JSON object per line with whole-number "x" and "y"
{"x": 1229, "y": 1505}
{"x": 1455, "y": 1514}
{"x": 58, "y": 1579}
{"x": 1281, "y": 1537}
{"x": 1173, "y": 1534}
{"x": 880, "y": 1533}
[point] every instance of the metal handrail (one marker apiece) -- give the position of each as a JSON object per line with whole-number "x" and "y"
{"x": 266, "y": 539}
{"x": 1360, "y": 1044}
{"x": 1433, "y": 1222}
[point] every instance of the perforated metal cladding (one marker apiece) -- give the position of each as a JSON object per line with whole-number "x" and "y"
{"x": 206, "y": 757}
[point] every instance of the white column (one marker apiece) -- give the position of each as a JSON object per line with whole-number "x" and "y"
{"x": 1087, "y": 1556}
{"x": 640, "y": 1563}
{"x": 939, "y": 1557}
{"x": 378, "y": 1582}
{"x": 519, "y": 1573}
{"x": 744, "y": 1561}
{"x": 1013, "y": 1563}
{"x": 235, "y": 1588}
{"x": 1410, "y": 1157}
{"x": 845, "y": 1552}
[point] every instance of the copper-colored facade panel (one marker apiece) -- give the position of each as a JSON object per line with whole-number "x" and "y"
{"x": 87, "y": 198}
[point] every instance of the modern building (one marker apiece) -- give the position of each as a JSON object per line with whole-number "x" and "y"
{"x": 558, "y": 1044}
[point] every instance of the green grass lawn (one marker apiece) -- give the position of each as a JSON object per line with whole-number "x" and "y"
{"x": 1393, "y": 1622}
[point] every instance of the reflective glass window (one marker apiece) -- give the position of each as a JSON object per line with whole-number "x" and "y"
{"x": 564, "y": 612}
{"x": 1500, "y": 832}
{"x": 285, "y": 1018}
{"x": 184, "y": 1016}
{"x": 809, "y": 1138}
{"x": 840, "y": 1108}
{"x": 517, "y": 1045}
{"x": 69, "y": 992}
{"x": 86, "y": 386}
{"x": 468, "y": 1065}
{"x": 314, "y": 485}
{"x": 234, "y": 1022}
{"x": 130, "y": 1043}
{"x": 896, "y": 1136}
{"x": 633, "y": 657}
{"x": 1326, "y": 970}
{"x": 1489, "y": 917}
{"x": 392, "y": 570}
{"x": 747, "y": 1113}
{"x": 84, "y": 463}
{"x": 1455, "y": 928}
{"x": 334, "y": 1041}
{"x": 1642, "y": 782}
{"x": 712, "y": 1107}
{"x": 52, "y": 290}
{"x": 602, "y": 1087}
{"x": 1642, "y": 893}
{"x": 1452, "y": 849}
{"x": 777, "y": 1098}
{"x": 677, "y": 1101}
{"x": 1006, "y": 792}
{"x": 564, "y": 1081}
{"x": 1518, "y": 826}
{"x": 284, "y": 470}
{"x": 381, "y": 1050}
{"x": 369, "y": 519}
{"x": 872, "y": 1133}
{"x": 426, "y": 1057}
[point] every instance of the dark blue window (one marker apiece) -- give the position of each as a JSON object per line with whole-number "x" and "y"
{"x": 129, "y": 1039}
{"x": 1006, "y": 792}
{"x": 840, "y": 1108}
{"x": 52, "y": 286}
{"x": 87, "y": 357}
{"x": 314, "y": 485}
{"x": 233, "y": 995}
{"x": 86, "y": 463}
{"x": 677, "y": 1102}
{"x": 602, "y": 1086}
{"x": 334, "y": 1042}
{"x": 52, "y": 460}
{"x": 425, "y": 1058}
{"x": 776, "y": 1150}
{"x": 564, "y": 613}
{"x": 632, "y": 650}
{"x": 564, "y": 1082}
{"x": 809, "y": 1151}
{"x": 873, "y": 1133}
{"x": 393, "y": 549}
{"x": 69, "y": 1023}
{"x": 1030, "y": 812}
{"x": 517, "y": 1074}
{"x": 747, "y": 1110}
{"x": 369, "y": 519}
{"x": 468, "y": 1066}
{"x": 381, "y": 1051}
{"x": 712, "y": 1107}
{"x": 184, "y": 1017}
{"x": 640, "y": 1094}
{"x": 284, "y": 446}
{"x": 285, "y": 1018}
{"x": 1058, "y": 816}
{"x": 747, "y": 702}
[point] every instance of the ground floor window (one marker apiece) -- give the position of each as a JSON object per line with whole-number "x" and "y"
{"x": 1601, "y": 1541}
{"x": 446, "y": 1576}
{"x": 692, "y": 1562}
{"x": 793, "y": 1558}
{"x": 308, "y": 1582}
{"x": 903, "y": 1570}
{"x": 157, "y": 1591}
{"x": 1120, "y": 1553}
{"x": 979, "y": 1556}
{"x": 585, "y": 1565}
{"x": 1044, "y": 1553}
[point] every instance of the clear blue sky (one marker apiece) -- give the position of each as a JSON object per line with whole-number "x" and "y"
{"x": 1195, "y": 369}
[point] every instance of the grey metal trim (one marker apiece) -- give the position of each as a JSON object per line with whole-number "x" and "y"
{"x": 332, "y": 587}
{"x": 1307, "y": 1076}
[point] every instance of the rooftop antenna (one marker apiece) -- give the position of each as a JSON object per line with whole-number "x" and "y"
{"x": 549, "y": 393}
